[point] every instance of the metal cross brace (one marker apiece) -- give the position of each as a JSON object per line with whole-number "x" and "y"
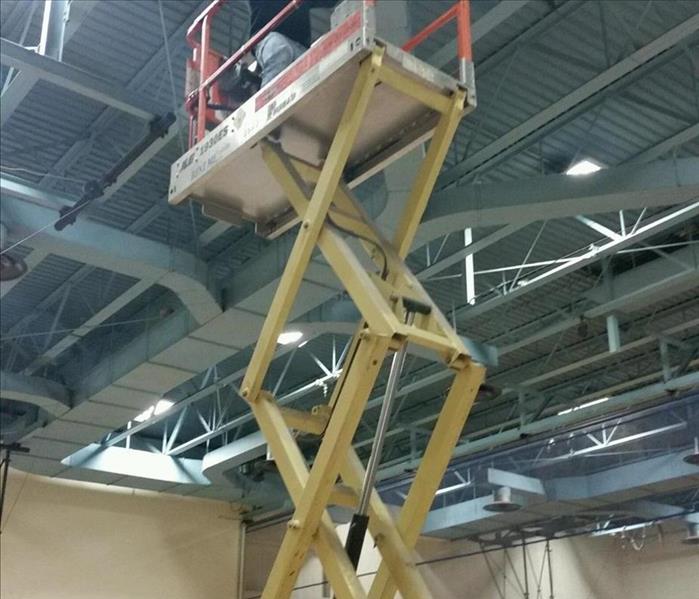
{"x": 327, "y": 210}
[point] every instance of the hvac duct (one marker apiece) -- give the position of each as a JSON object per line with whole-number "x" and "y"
{"x": 502, "y": 501}
{"x": 692, "y": 537}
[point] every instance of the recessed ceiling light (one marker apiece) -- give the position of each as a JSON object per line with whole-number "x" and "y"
{"x": 289, "y": 337}
{"x": 584, "y": 167}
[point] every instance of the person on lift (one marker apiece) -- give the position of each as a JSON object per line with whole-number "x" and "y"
{"x": 282, "y": 46}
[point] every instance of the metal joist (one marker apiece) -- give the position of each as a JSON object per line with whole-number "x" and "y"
{"x": 45, "y": 394}
{"x": 568, "y": 495}
{"x": 678, "y": 139}
{"x": 142, "y": 464}
{"x": 118, "y": 251}
{"x": 658, "y": 224}
{"x": 570, "y": 105}
{"x": 23, "y": 82}
{"x": 502, "y": 11}
{"x": 629, "y": 186}
{"x": 73, "y": 79}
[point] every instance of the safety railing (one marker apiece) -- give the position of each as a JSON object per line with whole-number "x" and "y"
{"x": 207, "y": 65}
{"x": 461, "y": 11}
{"x": 210, "y": 68}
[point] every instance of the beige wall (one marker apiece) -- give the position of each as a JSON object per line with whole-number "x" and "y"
{"x": 72, "y": 540}
{"x": 69, "y": 540}
{"x": 583, "y": 568}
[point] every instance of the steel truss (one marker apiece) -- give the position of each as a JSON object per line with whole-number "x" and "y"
{"x": 326, "y": 207}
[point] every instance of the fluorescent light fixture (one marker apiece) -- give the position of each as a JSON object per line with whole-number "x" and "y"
{"x": 594, "y": 402}
{"x": 289, "y": 337}
{"x": 584, "y": 167}
{"x": 163, "y": 405}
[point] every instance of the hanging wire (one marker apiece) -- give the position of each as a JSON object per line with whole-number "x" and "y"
{"x": 3, "y": 525}
{"x": 176, "y": 108}
{"x": 168, "y": 59}
{"x": 73, "y": 210}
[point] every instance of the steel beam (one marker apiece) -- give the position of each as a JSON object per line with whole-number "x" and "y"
{"x": 631, "y": 290}
{"x": 469, "y": 250}
{"x": 50, "y": 354}
{"x": 668, "y": 144}
{"x": 73, "y": 79}
{"x": 647, "y": 285}
{"x": 629, "y": 186}
{"x": 32, "y": 261}
{"x": 22, "y": 84}
{"x": 573, "y": 494}
{"x": 43, "y": 393}
{"x": 531, "y": 381}
{"x": 502, "y": 11}
{"x": 524, "y": 484}
{"x": 647, "y": 474}
{"x": 111, "y": 249}
{"x": 481, "y": 440}
{"x": 53, "y": 28}
{"x": 109, "y": 115}
{"x": 21, "y": 189}
{"x": 568, "y": 106}
{"x": 142, "y": 464}
{"x": 660, "y": 223}
{"x": 636, "y": 294}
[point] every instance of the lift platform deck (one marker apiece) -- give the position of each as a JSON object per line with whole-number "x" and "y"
{"x": 302, "y": 107}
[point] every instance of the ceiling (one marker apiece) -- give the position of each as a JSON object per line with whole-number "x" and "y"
{"x": 141, "y": 301}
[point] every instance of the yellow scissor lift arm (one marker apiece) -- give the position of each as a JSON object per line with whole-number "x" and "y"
{"x": 326, "y": 209}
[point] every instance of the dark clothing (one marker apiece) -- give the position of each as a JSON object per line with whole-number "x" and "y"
{"x": 297, "y": 26}
{"x": 282, "y": 46}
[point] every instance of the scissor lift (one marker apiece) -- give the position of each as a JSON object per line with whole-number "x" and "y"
{"x": 343, "y": 111}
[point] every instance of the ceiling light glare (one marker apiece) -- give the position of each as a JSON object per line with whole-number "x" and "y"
{"x": 163, "y": 405}
{"x": 584, "y": 167}
{"x": 289, "y": 337}
{"x": 456, "y": 487}
{"x": 145, "y": 415}
{"x": 594, "y": 402}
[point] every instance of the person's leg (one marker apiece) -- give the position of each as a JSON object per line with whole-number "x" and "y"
{"x": 275, "y": 53}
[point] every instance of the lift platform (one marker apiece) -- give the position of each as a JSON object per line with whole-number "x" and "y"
{"x": 347, "y": 108}
{"x": 303, "y": 106}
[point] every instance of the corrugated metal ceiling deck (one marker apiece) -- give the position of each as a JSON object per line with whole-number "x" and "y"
{"x": 515, "y": 81}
